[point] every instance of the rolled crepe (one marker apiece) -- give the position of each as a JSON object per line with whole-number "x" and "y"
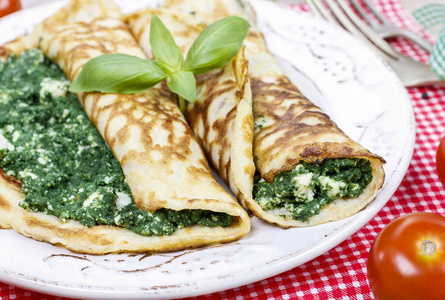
{"x": 162, "y": 161}
{"x": 221, "y": 117}
{"x": 289, "y": 128}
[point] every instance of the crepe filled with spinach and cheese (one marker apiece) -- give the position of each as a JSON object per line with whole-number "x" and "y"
{"x": 101, "y": 173}
{"x": 221, "y": 117}
{"x": 308, "y": 171}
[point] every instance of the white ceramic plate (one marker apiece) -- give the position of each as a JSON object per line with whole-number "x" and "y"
{"x": 351, "y": 83}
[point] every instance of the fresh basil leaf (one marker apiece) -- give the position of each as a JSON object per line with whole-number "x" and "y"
{"x": 118, "y": 73}
{"x": 217, "y": 44}
{"x": 183, "y": 83}
{"x": 167, "y": 53}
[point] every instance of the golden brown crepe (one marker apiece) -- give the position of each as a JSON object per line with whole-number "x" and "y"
{"x": 292, "y": 128}
{"x": 221, "y": 117}
{"x": 160, "y": 157}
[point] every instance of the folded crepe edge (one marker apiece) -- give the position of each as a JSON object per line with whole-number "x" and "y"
{"x": 99, "y": 239}
{"x": 339, "y": 209}
{"x": 241, "y": 151}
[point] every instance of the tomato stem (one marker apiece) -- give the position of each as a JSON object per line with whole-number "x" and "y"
{"x": 428, "y": 247}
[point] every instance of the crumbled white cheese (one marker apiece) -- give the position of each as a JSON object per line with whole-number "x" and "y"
{"x": 43, "y": 160}
{"x": 26, "y": 173}
{"x": 80, "y": 148}
{"x": 117, "y": 219}
{"x": 334, "y": 185}
{"x": 15, "y": 136}
{"x": 5, "y": 144}
{"x": 65, "y": 113}
{"x": 92, "y": 198}
{"x": 51, "y": 132}
{"x": 122, "y": 200}
{"x": 355, "y": 186}
{"x": 56, "y": 88}
{"x": 304, "y": 191}
{"x": 9, "y": 128}
{"x": 4, "y": 97}
{"x": 304, "y": 179}
{"x": 107, "y": 179}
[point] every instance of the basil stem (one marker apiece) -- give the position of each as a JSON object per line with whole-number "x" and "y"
{"x": 118, "y": 73}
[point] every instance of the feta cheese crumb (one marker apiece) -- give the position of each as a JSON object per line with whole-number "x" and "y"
{"x": 332, "y": 186}
{"x": 43, "y": 160}
{"x": 5, "y": 144}
{"x": 94, "y": 197}
{"x": 26, "y": 173}
{"x": 304, "y": 191}
{"x": 56, "y": 88}
{"x": 107, "y": 179}
{"x": 122, "y": 200}
{"x": 65, "y": 113}
{"x": 80, "y": 148}
{"x": 4, "y": 97}
{"x": 15, "y": 136}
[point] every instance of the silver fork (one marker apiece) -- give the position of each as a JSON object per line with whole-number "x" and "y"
{"x": 385, "y": 29}
{"x": 411, "y": 72}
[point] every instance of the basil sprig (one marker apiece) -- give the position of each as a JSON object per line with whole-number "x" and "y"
{"x": 118, "y": 73}
{"x": 217, "y": 44}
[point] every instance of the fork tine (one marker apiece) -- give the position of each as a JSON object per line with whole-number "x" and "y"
{"x": 376, "y": 13}
{"x": 328, "y": 13}
{"x": 364, "y": 14}
{"x": 396, "y": 31}
{"x": 349, "y": 19}
{"x": 411, "y": 72}
{"x": 319, "y": 9}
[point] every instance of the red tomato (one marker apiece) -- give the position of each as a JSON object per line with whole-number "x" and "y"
{"x": 440, "y": 160}
{"x": 407, "y": 259}
{"x": 9, "y": 6}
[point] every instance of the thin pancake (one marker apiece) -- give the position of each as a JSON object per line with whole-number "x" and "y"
{"x": 292, "y": 128}
{"x": 221, "y": 117}
{"x": 161, "y": 159}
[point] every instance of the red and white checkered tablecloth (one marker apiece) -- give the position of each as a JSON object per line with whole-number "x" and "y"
{"x": 341, "y": 272}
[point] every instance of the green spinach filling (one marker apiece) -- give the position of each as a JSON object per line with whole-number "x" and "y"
{"x": 64, "y": 165}
{"x": 301, "y": 192}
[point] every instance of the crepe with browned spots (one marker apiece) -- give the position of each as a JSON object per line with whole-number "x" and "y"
{"x": 221, "y": 117}
{"x": 290, "y": 127}
{"x": 161, "y": 159}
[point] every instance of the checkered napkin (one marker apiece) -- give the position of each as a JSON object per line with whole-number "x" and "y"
{"x": 428, "y": 16}
{"x": 341, "y": 272}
